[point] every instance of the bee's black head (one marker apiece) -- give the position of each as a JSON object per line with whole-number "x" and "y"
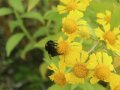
{"x": 51, "y": 48}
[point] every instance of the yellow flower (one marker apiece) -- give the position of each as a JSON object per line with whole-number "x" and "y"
{"x": 68, "y": 50}
{"x": 84, "y": 32}
{"x": 104, "y": 19}
{"x": 80, "y": 70}
{"x": 59, "y": 73}
{"x": 110, "y": 37}
{"x": 101, "y": 63}
{"x": 114, "y": 81}
{"x": 71, "y": 5}
{"x": 73, "y": 22}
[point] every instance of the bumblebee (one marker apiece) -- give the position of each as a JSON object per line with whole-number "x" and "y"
{"x": 51, "y": 48}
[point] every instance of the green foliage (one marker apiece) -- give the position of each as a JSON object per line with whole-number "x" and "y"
{"x": 33, "y": 15}
{"x": 43, "y": 70}
{"x": 13, "y": 42}
{"x": 52, "y": 15}
{"x": 42, "y": 31}
{"x": 26, "y": 49}
{"x": 17, "y": 5}
{"x": 47, "y": 29}
{"x": 85, "y": 86}
{"x": 13, "y": 24}
{"x": 56, "y": 87}
{"x": 32, "y": 4}
{"x": 5, "y": 11}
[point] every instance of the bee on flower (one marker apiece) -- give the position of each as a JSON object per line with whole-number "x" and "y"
{"x": 104, "y": 18}
{"x": 68, "y": 50}
{"x": 110, "y": 37}
{"x": 71, "y": 5}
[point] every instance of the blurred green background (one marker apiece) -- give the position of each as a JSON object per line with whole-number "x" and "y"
{"x": 25, "y": 27}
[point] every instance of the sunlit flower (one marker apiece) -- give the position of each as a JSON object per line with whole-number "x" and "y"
{"x": 59, "y": 73}
{"x": 79, "y": 71}
{"x": 110, "y": 37}
{"x": 104, "y": 19}
{"x": 72, "y": 23}
{"x": 114, "y": 81}
{"x": 71, "y": 5}
{"x": 68, "y": 50}
{"x": 101, "y": 63}
{"x": 84, "y": 32}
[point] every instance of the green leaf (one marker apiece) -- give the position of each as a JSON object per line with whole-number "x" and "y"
{"x": 13, "y": 42}
{"x": 53, "y": 16}
{"x": 99, "y": 87}
{"x": 57, "y": 87}
{"x": 115, "y": 22}
{"x": 13, "y": 25}
{"x": 43, "y": 70}
{"x": 89, "y": 86}
{"x": 32, "y": 4}
{"x": 33, "y": 15}
{"x": 86, "y": 86}
{"x": 27, "y": 48}
{"x": 40, "y": 32}
{"x": 17, "y": 5}
{"x": 5, "y": 11}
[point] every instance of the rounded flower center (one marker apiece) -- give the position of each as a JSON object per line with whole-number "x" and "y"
{"x": 80, "y": 70}
{"x": 117, "y": 87}
{"x": 110, "y": 37}
{"x": 70, "y": 26}
{"x": 63, "y": 47}
{"x": 84, "y": 33}
{"x": 59, "y": 78}
{"x": 71, "y": 6}
{"x": 102, "y": 72}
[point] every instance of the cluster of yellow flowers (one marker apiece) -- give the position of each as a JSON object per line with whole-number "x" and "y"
{"x": 77, "y": 65}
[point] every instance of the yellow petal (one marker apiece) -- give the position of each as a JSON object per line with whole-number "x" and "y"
{"x": 108, "y": 13}
{"x": 83, "y": 56}
{"x": 114, "y": 80}
{"x": 92, "y": 62}
{"x": 53, "y": 67}
{"x": 94, "y": 80}
{"x": 72, "y": 79}
{"x": 116, "y": 31}
{"x": 106, "y": 27}
{"x": 65, "y": 1}
{"x": 106, "y": 59}
{"x": 75, "y": 15}
{"x": 61, "y": 9}
{"x": 62, "y": 65}
{"x": 99, "y": 33}
{"x": 100, "y": 15}
{"x": 99, "y": 57}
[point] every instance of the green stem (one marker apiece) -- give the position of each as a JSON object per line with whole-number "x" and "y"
{"x": 93, "y": 47}
{"x": 23, "y": 27}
